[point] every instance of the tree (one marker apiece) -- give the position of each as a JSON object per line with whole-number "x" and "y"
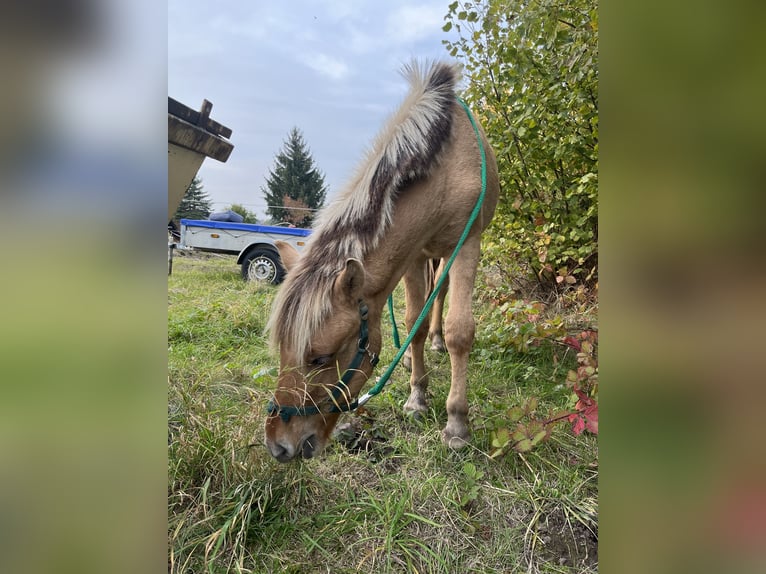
{"x": 532, "y": 67}
{"x": 195, "y": 203}
{"x": 294, "y": 177}
{"x": 249, "y": 216}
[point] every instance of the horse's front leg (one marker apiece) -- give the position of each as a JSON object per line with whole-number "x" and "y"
{"x": 415, "y": 291}
{"x": 460, "y": 328}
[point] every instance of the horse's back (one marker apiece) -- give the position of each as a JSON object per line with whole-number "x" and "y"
{"x": 455, "y": 186}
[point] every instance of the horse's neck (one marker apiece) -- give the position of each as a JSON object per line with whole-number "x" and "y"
{"x": 385, "y": 267}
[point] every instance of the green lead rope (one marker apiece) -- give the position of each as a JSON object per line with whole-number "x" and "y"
{"x": 383, "y": 379}
{"x": 394, "y": 329}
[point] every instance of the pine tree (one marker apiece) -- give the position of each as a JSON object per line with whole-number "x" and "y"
{"x": 294, "y": 177}
{"x": 195, "y": 203}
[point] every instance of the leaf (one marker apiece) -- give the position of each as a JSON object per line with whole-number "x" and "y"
{"x": 573, "y": 343}
{"x": 515, "y": 414}
{"x": 524, "y": 445}
{"x": 447, "y": 27}
{"x": 534, "y": 427}
{"x": 500, "y": 437}
{"x": 578, "y": 424}
{"x": 539, "y": 436}
{"x": 519, "y": 434}
{"x": 590, "y": 416}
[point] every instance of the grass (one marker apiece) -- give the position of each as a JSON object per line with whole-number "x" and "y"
{"x": 386, "y": 496}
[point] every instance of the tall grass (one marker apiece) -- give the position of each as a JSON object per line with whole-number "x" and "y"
{"x": 386, "y": 496}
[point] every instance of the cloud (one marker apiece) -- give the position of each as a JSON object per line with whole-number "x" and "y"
{"x": 410, "y": 23}
{"x": 327, "y": 66}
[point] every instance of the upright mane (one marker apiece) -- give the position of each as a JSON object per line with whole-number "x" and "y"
{"x": 405, "y": 150}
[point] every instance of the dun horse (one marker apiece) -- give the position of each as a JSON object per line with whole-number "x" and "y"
{"x": 408, "y": 202}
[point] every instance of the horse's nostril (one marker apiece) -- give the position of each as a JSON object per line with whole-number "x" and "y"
{"x": 280, "y": 452}
{"x": 309, "y": 446}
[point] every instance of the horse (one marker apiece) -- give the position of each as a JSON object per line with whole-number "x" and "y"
{"x": 409, "y": 201}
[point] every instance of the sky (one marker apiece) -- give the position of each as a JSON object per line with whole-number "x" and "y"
{"x": 328, "y": 67}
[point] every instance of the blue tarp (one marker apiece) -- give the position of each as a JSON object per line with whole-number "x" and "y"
{"x": 297, "y": 231}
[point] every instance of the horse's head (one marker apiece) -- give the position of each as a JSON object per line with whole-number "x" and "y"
{"x": 322, "y": 368}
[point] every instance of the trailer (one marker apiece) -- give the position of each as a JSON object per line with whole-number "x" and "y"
{"x": 252, "y": 244}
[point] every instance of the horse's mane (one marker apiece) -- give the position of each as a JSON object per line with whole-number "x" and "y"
{"x": 406, "y": 149}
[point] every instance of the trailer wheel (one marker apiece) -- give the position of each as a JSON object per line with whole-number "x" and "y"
{"x": 263, "y": 265}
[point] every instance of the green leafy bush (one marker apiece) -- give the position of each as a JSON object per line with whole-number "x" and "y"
{"x": 533, "y": 82}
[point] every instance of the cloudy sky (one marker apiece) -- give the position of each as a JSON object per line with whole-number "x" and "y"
{"x": 329, "y": 67}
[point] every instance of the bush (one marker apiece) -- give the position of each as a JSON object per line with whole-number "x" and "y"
{"x": 533, "y": 82}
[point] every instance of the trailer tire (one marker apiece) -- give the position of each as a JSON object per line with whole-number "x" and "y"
{"x": 263, "y": 265}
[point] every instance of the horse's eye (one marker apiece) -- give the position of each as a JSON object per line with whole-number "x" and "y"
{"x": 320, "y": 360}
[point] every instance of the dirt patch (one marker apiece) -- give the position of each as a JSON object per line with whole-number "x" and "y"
{"x": 567, "y": 542}
{"x": 360, "y": 435}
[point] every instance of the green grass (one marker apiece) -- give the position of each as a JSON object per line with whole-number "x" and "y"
{"x": 402, "y": 502}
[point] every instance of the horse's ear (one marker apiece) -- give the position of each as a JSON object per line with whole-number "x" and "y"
{"x": 350, "y": 282}
{"x": 287, "y": 253}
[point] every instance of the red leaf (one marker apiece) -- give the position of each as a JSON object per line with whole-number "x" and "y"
{"x": 578, "y": 425}
{"x": 572, "y": 342}
{"x": 590, "y": 415}
{"x": 583, "y": 396}
{"x": 586, "y": 416}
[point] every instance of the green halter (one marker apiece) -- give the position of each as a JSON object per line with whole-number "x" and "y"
{"x": 341, "y": 387}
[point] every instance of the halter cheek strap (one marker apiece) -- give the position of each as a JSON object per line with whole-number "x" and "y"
{"x": 341, "y": 387}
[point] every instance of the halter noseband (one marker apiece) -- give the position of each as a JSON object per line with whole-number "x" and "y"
{"x": 363, "y": 350}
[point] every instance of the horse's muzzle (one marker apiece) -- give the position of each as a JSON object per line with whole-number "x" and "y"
{"x": 285, "y": 452}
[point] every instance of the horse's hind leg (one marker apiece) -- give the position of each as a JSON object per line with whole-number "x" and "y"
{"x": 460, "y": 329}
{"x": 435, "y": 332}
{"x": 415, "y": 291}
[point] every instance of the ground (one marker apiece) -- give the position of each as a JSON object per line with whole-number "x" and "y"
{"x": 386, "y": 496}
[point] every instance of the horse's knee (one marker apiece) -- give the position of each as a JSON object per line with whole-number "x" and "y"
{"x": 459, "y": 334}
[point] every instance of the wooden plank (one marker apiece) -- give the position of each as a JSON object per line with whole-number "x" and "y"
{"x": 201, "y": 118}
{"x": 199, "y": 140}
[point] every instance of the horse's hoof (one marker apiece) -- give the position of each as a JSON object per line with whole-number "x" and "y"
{"x": 437, "y": 345}
{"x": 455, "y": 440}
{"x": 416, "y": 415}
